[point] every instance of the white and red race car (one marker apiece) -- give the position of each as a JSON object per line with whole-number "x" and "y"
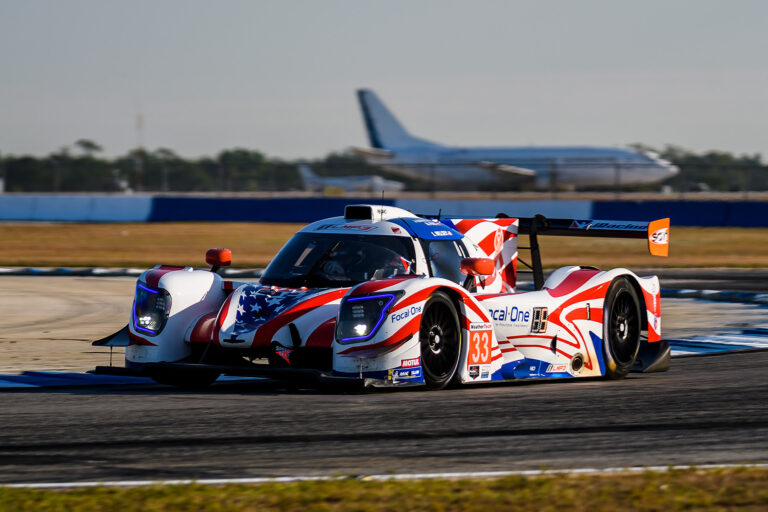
{"x": 383, "y": 297}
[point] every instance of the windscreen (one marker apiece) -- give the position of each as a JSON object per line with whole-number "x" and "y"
{"x": 323, "y": 260}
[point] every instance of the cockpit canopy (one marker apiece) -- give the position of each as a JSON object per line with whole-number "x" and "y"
{"x": 325, "y": 260}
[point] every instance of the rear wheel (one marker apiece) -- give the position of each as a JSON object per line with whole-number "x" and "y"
{"x": 440, "y": 340}
{"x": 621, "y": 328}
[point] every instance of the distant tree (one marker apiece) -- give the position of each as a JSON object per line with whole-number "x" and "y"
{"x": 241, "y": 169}
{"x": 88, "y": 147}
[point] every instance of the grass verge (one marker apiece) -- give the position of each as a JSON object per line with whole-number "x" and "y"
{"x": 721, "y": 489}
{"x": 254, "y": 244}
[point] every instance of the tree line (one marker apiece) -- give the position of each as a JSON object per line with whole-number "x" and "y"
{"x": 80, "y": 168}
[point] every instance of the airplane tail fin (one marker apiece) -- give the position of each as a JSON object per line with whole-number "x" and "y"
{"x": 306, "y": 173}
{"x": 384, "y": 130}
{"x": 308, "y": 178}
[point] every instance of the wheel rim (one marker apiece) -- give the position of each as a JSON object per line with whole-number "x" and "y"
{"x": 439, "y": 342}
{"x": 623, "y": 328}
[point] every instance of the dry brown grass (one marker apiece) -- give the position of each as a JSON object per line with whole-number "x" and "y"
{"x": 720, "y": 489}
{"x": 139, "y": 245}
{"x": 254, "y": 244}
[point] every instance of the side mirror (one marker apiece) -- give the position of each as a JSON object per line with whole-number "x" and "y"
{"x": 218, "y": 258}
{"x": 478, "y": 266}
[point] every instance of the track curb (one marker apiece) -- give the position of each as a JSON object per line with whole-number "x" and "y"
{"x": 384, "y": 477}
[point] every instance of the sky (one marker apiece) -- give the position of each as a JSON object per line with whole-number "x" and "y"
{"x": 280, "y": 76}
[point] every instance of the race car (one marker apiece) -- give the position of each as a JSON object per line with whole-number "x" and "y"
{"x": 383, "y": 297}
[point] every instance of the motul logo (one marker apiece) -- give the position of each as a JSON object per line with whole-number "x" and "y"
{"x": 410, "y": 363}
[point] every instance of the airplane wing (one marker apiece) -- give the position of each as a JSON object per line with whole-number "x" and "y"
{"x": 508, "y": 169}
{"x": 373, "y": 152}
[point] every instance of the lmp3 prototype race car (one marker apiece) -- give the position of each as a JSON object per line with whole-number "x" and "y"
{"x": 383, "y": 297}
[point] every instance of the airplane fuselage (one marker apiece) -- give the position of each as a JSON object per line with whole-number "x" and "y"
{"x": 393, "y": 148}
{"x": 580, "y": 166}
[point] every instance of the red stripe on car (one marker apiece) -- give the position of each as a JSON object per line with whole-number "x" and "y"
{"x": 323, "y": 335}
{"x": 153, "y": 276}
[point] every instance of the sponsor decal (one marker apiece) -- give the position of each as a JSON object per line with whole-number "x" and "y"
{"x": 410, "y": 363}
{"x": 427, "y": 222}
{"x": 480, "y": 371}
{"x": 480, "y": 326}
{"x": 442, "y": 233}
{"x": 660, "y": 236}
{"x": 405, "y": 314}
{"x": 539, "y": 323}
{"x": 349, "y": 227}
{"x": 557, "y": 368}
{"x": 406, "y": 373}
{"x": 619, "y": 226}
{"x": 512, "y": 315}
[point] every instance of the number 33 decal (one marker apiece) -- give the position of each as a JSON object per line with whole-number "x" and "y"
{"x": 480, "y": 347}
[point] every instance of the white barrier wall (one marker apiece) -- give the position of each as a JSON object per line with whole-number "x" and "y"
{"x": 75, "y": 208}
{"x": 146, "y": 208}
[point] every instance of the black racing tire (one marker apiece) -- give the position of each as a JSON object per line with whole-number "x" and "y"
{"x": 185, "y": 379}
{"x": 440, "y": 340}
{"x": 621, "y": 328}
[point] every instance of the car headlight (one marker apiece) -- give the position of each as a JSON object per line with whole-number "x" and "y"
{"x": 150, "y": 309}
{"x": 360, "y": 317}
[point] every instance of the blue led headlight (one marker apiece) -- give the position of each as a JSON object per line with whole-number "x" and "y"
{"x": 360, "y": 317}
{"x": 150, "y": 309}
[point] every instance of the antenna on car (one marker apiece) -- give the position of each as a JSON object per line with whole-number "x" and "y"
{"x": 439, "y": 213}
{"x": 381, "y": 210}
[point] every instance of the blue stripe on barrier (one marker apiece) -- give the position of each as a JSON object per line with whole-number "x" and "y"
{"x": 141, "y": 208}
{"x": 687, "y": 213}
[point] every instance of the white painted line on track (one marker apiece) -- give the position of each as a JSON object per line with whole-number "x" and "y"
{"x": 404, "y": 476}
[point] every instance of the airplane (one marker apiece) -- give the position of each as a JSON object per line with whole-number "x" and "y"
{"x": 395, "y": 149}
{"x": 315, "y": 183}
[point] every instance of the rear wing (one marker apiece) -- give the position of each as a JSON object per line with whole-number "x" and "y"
{"x": 656, "y": 232}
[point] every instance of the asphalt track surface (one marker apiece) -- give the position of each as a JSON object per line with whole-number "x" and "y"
{"x": 705, "y": 410}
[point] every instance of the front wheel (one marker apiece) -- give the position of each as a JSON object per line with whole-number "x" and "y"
{"x": 621, "y": 328}
{"x": 440, "y": 340}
